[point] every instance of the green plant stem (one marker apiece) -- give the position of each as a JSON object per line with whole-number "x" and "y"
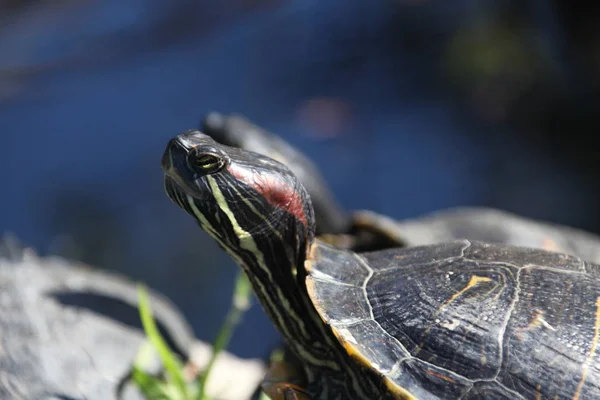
{"x": 239, "y": 305}
{"x": 172, "y": 367}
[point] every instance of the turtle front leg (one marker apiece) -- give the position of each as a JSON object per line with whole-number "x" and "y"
{"x": 286, "y": 391}
{"x": 283, "y": 381}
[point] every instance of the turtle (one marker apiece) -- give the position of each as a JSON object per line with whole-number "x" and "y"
{"x": 369, "y": 230}
{"x": 458, "y": 319}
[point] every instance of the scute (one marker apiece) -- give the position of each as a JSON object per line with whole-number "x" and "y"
{"x": 428, "y": 381}
{"x": 364, "y": 338}
{"x": 350, "y": 302}
{"x": 326, "y": 263}
{"x": 523, "y": 256}
{"x": 392, "y": 258}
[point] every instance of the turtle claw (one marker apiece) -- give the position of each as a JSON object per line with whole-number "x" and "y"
{"x": 285, "y": 391}
{"x": 284, "y": 381}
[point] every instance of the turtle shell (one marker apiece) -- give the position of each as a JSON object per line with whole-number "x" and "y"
{"x": 464, "y": 320}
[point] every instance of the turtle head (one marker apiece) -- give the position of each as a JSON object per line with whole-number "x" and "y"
{"x": 252, "y": 205}
{"x": 257, "y": 211}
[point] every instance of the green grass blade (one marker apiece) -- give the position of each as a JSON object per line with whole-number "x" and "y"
{"x": 173, "y": 367}
{"x": 239, "y": 305}
{"x": 149, "y": 386}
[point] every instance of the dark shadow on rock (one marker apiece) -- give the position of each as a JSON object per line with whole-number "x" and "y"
{"x": 56, "y": 396}
{"x": 114, "y": 309}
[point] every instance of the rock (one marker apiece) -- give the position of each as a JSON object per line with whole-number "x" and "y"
{"x": 69, "y": 331}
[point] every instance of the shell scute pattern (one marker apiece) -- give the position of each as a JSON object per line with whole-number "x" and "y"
{"x": 468, "y": 320}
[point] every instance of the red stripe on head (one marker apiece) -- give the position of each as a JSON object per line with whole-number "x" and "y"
{"x": 275, "y": 190}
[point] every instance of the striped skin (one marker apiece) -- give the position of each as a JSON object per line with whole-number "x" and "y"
{"x": 256, "y": 210}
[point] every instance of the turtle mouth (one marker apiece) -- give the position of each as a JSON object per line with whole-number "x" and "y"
{"x": 176, "y": 193}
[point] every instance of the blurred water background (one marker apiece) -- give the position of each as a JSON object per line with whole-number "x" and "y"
{"x": 408, "y": 106}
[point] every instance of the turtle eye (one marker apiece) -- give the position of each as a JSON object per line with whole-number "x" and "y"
{"x": 205, "y": 163}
